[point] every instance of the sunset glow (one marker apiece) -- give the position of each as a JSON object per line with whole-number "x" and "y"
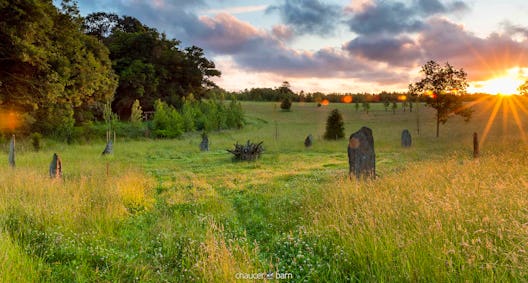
{"x": 346, "y": 99}
{"x": 503, "y": 85}
{"x": 342, "y": 46}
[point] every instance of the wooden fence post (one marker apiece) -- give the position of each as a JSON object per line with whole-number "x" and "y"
{"x": 476, "y": 150}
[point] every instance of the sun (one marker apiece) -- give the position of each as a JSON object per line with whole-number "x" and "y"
{"x": 502, "y": 85}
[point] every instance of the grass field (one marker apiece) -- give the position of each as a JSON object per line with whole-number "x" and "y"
{"x": 167, "y": 212}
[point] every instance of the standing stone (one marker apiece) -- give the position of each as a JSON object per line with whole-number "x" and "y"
{"x": 406, "y": 139}
{"x": 361, "y": 155}
{"x": 12, "y": 152}
{"x": 204, "y": 144}
{"x": 108, "y": 148}
{"x": 55, "y": 168}
{"x": 308, "y": 141}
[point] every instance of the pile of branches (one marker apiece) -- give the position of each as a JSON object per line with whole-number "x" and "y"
{"x": 248, "y": 152}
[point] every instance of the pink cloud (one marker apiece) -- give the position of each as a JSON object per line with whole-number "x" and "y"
{"x": 482, "y": 58}
{"x": 282, "y": 32}
{"x": 225, "y": 33}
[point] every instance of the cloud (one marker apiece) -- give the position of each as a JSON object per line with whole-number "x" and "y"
{"x": 399, "y": 51}
{"x": 393, "y": 37}
{"x": 394, "y": 17}
{"x": 445, "y": 41}
{"x": 482, "y": 58}
{"x": 238, "y": 10}
{"x": 433, "y": 7}
{"x": 309, "y": 16}
{"x": 515, "y": 29}
{"x": 225, "y": 34}
{"x": 256, "y": 50}
{"x": 282, "y": 32}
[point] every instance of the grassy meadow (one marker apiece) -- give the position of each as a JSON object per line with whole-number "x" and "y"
{"x": 166, "y": 212}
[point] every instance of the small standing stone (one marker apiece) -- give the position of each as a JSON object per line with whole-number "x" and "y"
{"x": 204, "y": 144}
{"x": 12, "y": 152}
{"x": 361, "y": 155}
{"x": 406, "y": 140}
{"x": 55, "y": 168}
{"x": 308, "y": 141}
{"x": 108, "y": 148}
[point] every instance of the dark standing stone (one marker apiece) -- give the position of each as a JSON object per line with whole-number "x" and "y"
{"x": 308, "y": 141}
{"x": 55, "y": 169}
{"x": 12, "y": 152}
{"x": 108, "y": 148}
{"x": 361, "y": 155}
{"x": 406, "y": 140}
{"x": 204, "y": 145}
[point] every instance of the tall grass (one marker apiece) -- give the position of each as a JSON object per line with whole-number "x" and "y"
{"x": 450, "y": 220}
{"x": 166, "y": 212}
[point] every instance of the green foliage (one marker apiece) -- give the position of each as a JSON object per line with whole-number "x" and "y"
{"x": 366, "y": 106}
{"x": 335, "y": 126}
{"x": 149, "y": 65}
{"x": 286, "y": 104}
{"x": 110, "y": 118}
{"x": 36, "y": 140}
{"x": 167, "y": 214}
{"x": 235, "y": 115}
{"x": 213, "y": 115}
{"x": 49, "y": 68}
{"x": 136, "y": 113}
{"x": 167, "y": 122}
{"x": 188, "y": 112}
{"x": 57, "y": 121}
{"x": 443, "y": 86}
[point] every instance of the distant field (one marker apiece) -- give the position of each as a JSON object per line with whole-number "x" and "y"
{"x": 167, "y": 212}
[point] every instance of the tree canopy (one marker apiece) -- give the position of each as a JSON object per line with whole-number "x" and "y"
{"x": 51, "y": 71}
{"x": 443, "y": 87}
{"x": 149, "y": 65}
{"x": 59, "y": 69}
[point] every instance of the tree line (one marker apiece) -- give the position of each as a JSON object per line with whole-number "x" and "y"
{"x": 60, "y": 70}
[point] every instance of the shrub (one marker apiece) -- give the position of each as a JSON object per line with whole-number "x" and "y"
{"x": 36, "y": 141}
{"x": 335, "y": 128}
{"x": 188, "y": 112}
{"x": 167, "y": 122}
{"x": 286, "y": 104}
{"x": 235, "y": 115}
{"x": 136, "y": 115}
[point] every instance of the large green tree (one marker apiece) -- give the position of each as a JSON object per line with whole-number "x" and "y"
{"x": 51, "y": 70}
{"x": 443, "y": 87}
{"x": 150, "y": 66}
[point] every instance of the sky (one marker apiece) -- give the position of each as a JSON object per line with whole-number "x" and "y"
{"x": 345, "y": 46}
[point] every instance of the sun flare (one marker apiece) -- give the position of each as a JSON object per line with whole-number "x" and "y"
{"x": 501, "y": 85}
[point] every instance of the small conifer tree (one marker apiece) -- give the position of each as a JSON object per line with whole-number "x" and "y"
{"x": 136, "y": 115}
{"x": 335, "y": 126}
